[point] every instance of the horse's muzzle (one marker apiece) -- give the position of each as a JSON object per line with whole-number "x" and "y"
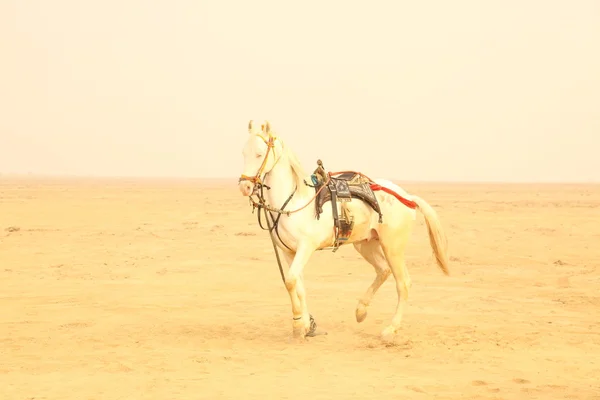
{"x": 246, "y": 187}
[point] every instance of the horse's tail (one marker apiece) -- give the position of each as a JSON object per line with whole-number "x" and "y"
{"x": 437, "y": 238}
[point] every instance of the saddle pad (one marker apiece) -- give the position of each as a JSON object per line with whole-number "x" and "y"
{"x": 341, "y": 187}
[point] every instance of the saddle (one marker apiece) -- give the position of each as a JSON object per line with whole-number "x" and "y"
{"x": 342, "y": 187}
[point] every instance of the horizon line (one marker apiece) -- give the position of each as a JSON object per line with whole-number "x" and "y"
{"x": 231, "y": 178}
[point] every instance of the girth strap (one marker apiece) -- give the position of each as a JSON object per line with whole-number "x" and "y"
{"x": 334, "y": 211}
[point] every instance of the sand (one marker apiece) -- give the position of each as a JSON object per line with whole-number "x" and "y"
{"x": 150, "y": 289}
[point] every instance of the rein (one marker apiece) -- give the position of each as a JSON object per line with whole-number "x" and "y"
{"x": 262, "y": 205}
{"x": 269, "y": 217}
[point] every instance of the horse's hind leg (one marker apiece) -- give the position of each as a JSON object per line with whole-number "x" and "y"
{"x": 393, "y": 249}
{"x": 372, "y": 252}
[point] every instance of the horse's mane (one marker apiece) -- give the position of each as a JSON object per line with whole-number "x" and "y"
{"x": 297, "y": 169}
{"x": 298, "y": 172}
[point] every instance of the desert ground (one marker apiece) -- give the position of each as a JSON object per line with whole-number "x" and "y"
{"x": 168, "y": 289}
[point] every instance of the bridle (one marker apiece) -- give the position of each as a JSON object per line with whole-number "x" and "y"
{"x": 259, "y": 187}
{"x": 256, "y": 179}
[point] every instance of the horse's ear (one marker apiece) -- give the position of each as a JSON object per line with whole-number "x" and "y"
{"x": 266, "y": 128}
{"x": 250, "y": 127}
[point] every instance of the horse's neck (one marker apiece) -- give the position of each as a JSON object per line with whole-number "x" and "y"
{"x": 282, "y": 183}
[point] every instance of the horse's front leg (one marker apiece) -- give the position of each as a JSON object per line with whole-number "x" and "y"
{"x": 294, "y": 284}
{"x": 300, "y": 291}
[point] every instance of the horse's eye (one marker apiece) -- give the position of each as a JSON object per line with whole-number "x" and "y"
{"x": 258, "y": 155}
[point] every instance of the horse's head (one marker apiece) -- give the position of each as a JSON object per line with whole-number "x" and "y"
{"x": 261, "y": 153}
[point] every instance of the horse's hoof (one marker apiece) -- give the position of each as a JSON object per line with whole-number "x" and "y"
{"x": 361, "y": 313}
{"x": 298, "y": 329}
{"x": 388, "y": 335}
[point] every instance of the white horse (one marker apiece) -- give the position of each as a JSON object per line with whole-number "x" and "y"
{"x": 269, "y": 163}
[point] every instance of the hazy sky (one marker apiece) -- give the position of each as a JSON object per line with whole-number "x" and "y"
{"x": 431, "y": 90}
